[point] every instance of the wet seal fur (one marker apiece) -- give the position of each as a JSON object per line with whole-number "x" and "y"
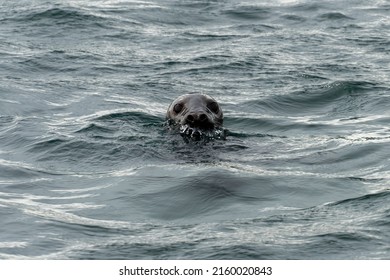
{"x": 197, "y": 116}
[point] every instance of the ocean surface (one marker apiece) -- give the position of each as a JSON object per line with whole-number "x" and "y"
{"x": 88, "y": 170}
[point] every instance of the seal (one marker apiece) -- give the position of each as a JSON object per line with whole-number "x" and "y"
{"x": 196, "y": 115}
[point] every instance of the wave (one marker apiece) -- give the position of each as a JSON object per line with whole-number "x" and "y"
{"x": 248, "y": 13}
{"x": 115, "y": 137}
{"x": 365, "y": 202}
{"x": 135, "y": 116}
{"x": 334, "y": 16}
{"x": 57, "y": 15}
{"x": 328, "y": 99}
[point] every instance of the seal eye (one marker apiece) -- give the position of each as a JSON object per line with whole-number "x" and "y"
{"x": 177, "y": 108}
{"x": 213, "y": 106}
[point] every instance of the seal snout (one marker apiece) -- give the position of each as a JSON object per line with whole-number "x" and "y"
{"x": 198, "y": 119}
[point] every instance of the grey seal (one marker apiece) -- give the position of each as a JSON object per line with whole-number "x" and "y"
{"x": 196, "y": 115}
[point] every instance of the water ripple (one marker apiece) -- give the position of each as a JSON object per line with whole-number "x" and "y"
{"x": 87, "y": 165}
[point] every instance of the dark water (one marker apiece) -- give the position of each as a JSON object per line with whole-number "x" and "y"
{"x": 88, "y": 171}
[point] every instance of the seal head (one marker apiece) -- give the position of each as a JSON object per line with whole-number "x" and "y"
{"x": 195, "y": 114}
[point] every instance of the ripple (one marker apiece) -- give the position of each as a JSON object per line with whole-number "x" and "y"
{"x": 136, "y": 116}
{"x": 314, "y": 101}
{"x": 248, "y": 13}
{"x": 54, "y": 212}
{"x": 88, "y": 166}
{"x": 58, "y": 15}
{"x": 13, "y": 244}
{"x": 334, "y": 16}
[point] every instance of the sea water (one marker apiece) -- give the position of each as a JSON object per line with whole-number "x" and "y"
{"x": 88, "y": 170}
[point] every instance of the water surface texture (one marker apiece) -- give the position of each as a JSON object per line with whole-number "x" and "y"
{"x": 88, "y": 170}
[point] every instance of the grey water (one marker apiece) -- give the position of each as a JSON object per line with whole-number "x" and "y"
{"x": 89, "y": 171}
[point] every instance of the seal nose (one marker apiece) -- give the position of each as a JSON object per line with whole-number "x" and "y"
{"x": 197, "y": 119}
